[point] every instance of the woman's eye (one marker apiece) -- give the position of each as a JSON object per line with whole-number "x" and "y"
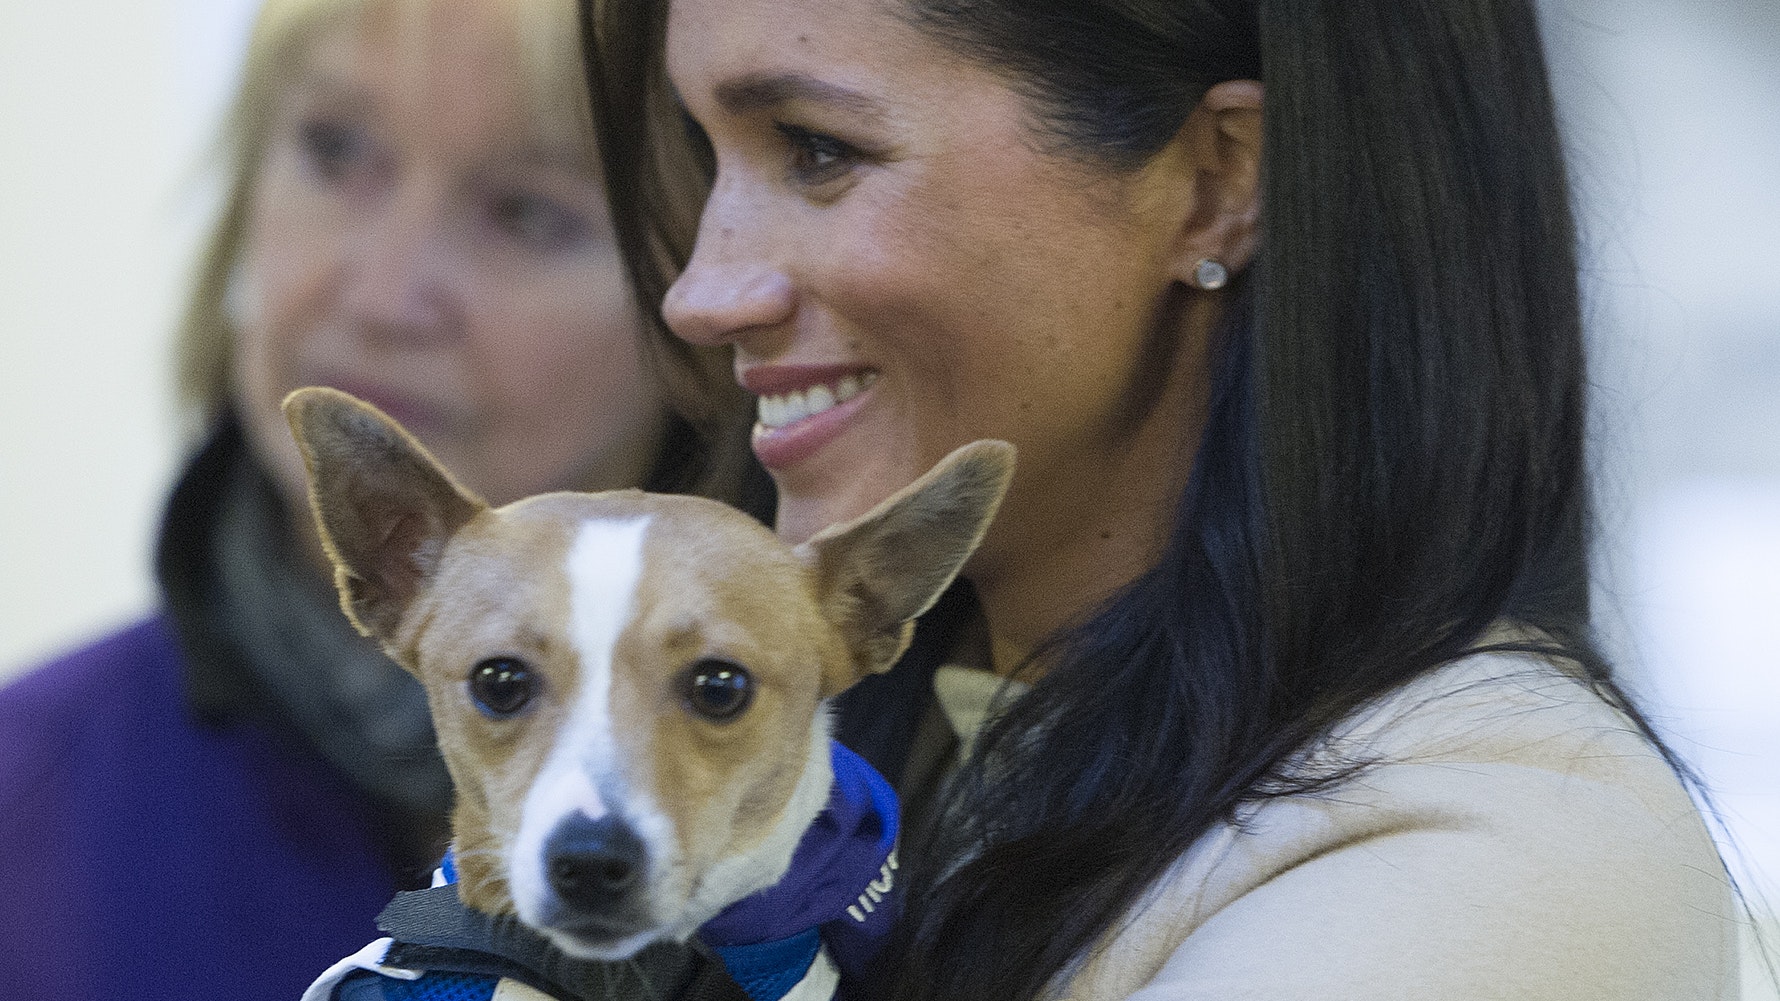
{"x": 331, "y": 147}
{"x": 537, "y": 221}
{"x": 817, "y": 158}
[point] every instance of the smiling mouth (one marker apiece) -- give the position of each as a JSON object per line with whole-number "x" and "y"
{"x": 777, "y": 410}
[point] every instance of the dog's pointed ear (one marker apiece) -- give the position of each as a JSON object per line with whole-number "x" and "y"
{"x": 383, "y": 504}
{"x": 876, "y": 574}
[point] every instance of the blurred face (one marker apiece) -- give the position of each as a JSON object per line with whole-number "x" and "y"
{"x": 417, "y": 239}
{"x": 902, "y": 269}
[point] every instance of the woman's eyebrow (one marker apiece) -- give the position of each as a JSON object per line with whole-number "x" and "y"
{"x": 755, "y": 92}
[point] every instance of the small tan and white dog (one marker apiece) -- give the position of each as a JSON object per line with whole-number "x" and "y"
{"x": 629, "y": 689}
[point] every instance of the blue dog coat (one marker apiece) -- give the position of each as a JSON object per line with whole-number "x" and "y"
{"x": 811, "y": 933}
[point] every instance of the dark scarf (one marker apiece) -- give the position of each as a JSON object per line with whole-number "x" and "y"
{"x": 264, "y": 637}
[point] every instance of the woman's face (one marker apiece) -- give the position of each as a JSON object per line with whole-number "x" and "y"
{"x": 416, "y": 239}
{"x": 902, "y": 269}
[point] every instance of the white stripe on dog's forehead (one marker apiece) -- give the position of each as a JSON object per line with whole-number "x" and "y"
{"x": 602, "y": 567}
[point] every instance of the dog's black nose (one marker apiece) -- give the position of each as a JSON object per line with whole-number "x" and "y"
{"x": 592, "y": 863}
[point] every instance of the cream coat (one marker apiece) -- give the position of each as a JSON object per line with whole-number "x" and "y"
{"x": 1516, "y": 839}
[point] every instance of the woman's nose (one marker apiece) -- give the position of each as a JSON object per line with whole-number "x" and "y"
{"x": 731, "y": 285}
{"x": 397, "y": 283}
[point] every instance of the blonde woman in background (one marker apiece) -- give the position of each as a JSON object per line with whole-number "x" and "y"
{"x": 224, "y": 795}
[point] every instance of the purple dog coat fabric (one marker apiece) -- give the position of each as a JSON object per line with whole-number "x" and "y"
{"x": 842, "y": 878}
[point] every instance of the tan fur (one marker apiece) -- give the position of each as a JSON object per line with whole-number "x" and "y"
{"x": 444, "y": 582}
{"x": 700, "y": 588}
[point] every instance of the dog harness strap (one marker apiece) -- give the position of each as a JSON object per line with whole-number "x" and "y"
{"x": 367, "y": 986}
{"x": 434, "y": 931}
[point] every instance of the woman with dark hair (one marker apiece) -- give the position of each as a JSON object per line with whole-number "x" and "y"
{"x": 1282, "y": 638}
{"x": 218, "y": 800}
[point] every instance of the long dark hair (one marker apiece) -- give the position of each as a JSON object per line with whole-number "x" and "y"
{"x": 1393, "y": 460}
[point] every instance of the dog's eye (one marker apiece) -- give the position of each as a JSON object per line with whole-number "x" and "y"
{"x": 501, "y": 686}
{"x": 718, "y": 690}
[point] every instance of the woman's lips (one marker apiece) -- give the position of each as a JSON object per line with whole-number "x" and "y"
{"x": 800, "y": 409}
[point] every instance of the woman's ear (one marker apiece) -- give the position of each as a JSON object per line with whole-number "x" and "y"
{"x": 1220, "y": 144}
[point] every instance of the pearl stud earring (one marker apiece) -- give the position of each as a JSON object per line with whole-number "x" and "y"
{"x": 1210, "y": 275}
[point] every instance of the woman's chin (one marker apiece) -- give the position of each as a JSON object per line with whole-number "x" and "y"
{"x": 804, "y": 513}
{"x": 799, "y": 518}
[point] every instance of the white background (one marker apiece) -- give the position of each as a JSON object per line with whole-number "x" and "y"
{"x": 1673, "y": 110}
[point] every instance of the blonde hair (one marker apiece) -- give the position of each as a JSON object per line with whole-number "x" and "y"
{"x": 707, "y": 449}
{"x": 547, "y": 43}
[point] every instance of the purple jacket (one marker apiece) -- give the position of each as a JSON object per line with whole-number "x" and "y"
{"x": 257, "y": 858}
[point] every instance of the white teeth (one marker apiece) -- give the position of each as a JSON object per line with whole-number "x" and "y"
{"x": 778, "y": 410}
